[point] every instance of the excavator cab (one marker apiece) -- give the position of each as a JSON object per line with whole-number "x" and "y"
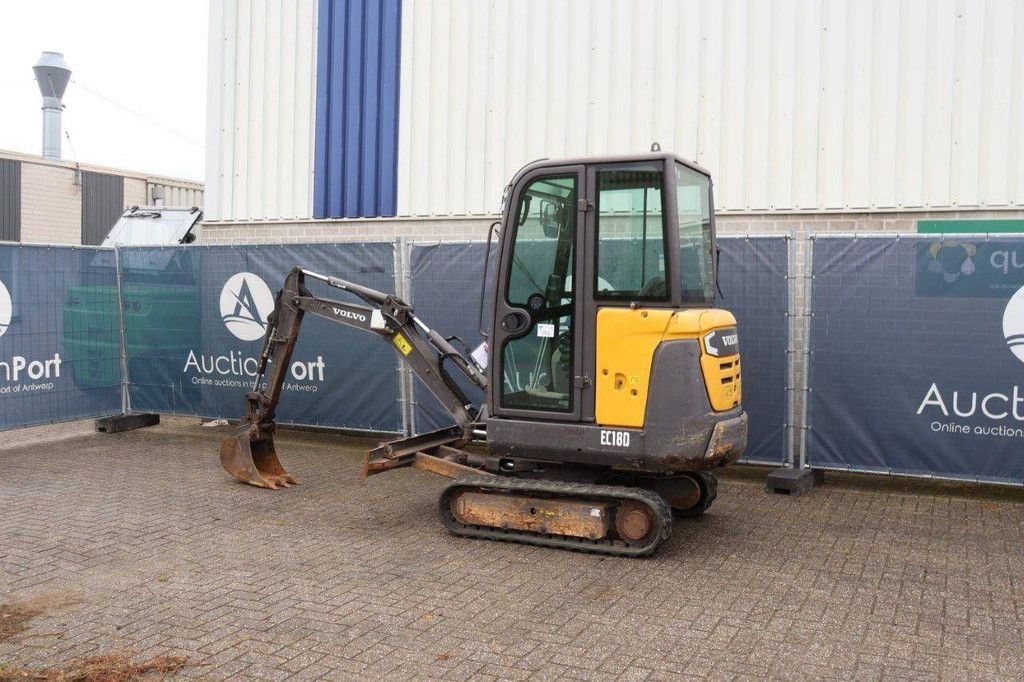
{"x": 613, "y": 384}
{"x": 603, "y": 318}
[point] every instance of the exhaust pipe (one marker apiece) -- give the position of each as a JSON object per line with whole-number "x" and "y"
{"x": 52, "y": 76}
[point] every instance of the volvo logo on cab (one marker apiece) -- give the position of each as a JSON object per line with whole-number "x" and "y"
{"x": 722, "y": 342}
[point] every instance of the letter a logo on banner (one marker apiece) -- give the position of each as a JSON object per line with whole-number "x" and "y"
{"x": 6, "y": 309}
{"x": 1013, "y": 324}
{"x": 245, "y": 302}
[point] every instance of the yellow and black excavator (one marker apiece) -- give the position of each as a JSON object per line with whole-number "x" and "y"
{"x": 612, "y": 383}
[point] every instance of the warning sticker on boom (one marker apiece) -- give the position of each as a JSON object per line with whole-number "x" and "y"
{"x": 402, "y": 344}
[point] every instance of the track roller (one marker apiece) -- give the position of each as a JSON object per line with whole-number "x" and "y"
{"x": 603, "y": 519}
{"x": 689, "y": 495}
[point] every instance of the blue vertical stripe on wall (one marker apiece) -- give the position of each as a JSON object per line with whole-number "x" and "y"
{"x": 356, "y": 157}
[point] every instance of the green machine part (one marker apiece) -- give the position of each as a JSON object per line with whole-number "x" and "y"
{"x": 158, "y": 320}
{"x": 969, "y": 226}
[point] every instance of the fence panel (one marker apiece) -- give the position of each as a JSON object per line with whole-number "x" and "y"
{"x": 60, "y": 335}
{"x": 445, "y": 283}
{"x": 195, "y": 318}
{"x": 916, "y": 347}
{"x": 753, "y": 276}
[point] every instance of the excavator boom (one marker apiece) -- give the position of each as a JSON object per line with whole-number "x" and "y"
{"x": 250, "y": 455}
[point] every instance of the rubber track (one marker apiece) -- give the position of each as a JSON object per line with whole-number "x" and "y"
{"x": 555, "y": 489}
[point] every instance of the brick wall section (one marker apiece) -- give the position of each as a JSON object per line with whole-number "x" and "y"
{"x": 51, "y": 205}
{"x": 426, "y": 229}
{"x": 135, "y": 192}
{"x": 800, "y": 226}
{"x": 461, "y": 228}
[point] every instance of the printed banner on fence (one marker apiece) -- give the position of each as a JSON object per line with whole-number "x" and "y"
{"x": 60, "y": 335}
{"x": 446, "y": 281}
{"x": 195, "y": 318}
{"x": 753, "y": 275}
{"x": 917, "y": 356}
{"x": 446, "y": 296}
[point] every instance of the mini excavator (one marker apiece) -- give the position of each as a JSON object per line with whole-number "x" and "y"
{"x": 612, "y": 384}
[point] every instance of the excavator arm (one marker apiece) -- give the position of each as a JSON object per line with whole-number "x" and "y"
{"x": 250, "y": 456}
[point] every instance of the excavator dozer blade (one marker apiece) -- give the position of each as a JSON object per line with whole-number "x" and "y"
{"x": 254, "y": 461}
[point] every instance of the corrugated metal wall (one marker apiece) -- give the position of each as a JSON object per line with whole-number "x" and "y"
{"x": 102, "y": 205}
{"x": 175, "y": 194}
{"x": 10, "y": 200}
{"x": 357, "y": 108}
{"x": 792, "y": 104}
{"x": 259, "y": 155}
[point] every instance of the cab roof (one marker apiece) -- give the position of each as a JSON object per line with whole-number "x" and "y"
{"x": 598, "y": 160}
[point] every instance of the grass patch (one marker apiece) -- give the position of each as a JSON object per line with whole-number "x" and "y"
{"x": 15, "y": 616}
{"x": 105, "y": 668}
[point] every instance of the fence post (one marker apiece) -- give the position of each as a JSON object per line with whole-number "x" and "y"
{"x": 126, "y": 397}
{"x": 791, "y": 276}
{"x": 794, "y": 478}
{"x": 403, "y": 290}
{"x": 126, "y": 421}
{"x": 808, "y": 316}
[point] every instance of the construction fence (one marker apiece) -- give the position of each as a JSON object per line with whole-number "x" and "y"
{"x": 60, "y": 335}
{"x": 915, "y": 355}
{"x": 903, "y": 359}
{"x": 194, "y": 321}
{"x": 444, "y": 280}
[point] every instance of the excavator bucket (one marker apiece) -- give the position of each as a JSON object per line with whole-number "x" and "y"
{"x": 252, "y": 459}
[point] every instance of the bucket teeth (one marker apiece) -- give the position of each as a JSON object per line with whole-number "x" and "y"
{"x": 254, "y": 461}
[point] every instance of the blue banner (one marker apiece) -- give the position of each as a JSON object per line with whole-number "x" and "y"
{"x": 917, "y": 354}
{"x": 60, "y": 335}
{"x": 194, "y": 324}
{"x": 753, "y": 277}
{"x": 969, "y": 268}
{"x": 446, "y": 296}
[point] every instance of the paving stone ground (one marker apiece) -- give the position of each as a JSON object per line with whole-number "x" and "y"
{"x": 343, "y": 579}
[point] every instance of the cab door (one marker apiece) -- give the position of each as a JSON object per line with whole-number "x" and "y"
{"x": 536, "y": 345}
{"x": 631, "y": 251}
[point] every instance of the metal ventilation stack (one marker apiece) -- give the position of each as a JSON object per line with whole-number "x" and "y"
{"x": 52, "y": 75}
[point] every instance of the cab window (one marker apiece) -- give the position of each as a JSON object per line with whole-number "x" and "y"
{"x": 693, "y": 201}
{"x": 537, "y": 367}
{"x": 630, "y": 235}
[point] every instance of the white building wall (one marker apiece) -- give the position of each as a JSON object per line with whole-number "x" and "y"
{"x": 794, "y": 105}
{"x": 260, "y": 106}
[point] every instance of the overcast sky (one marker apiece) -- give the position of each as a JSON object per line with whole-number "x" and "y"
{"x": 137, "y": 97}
